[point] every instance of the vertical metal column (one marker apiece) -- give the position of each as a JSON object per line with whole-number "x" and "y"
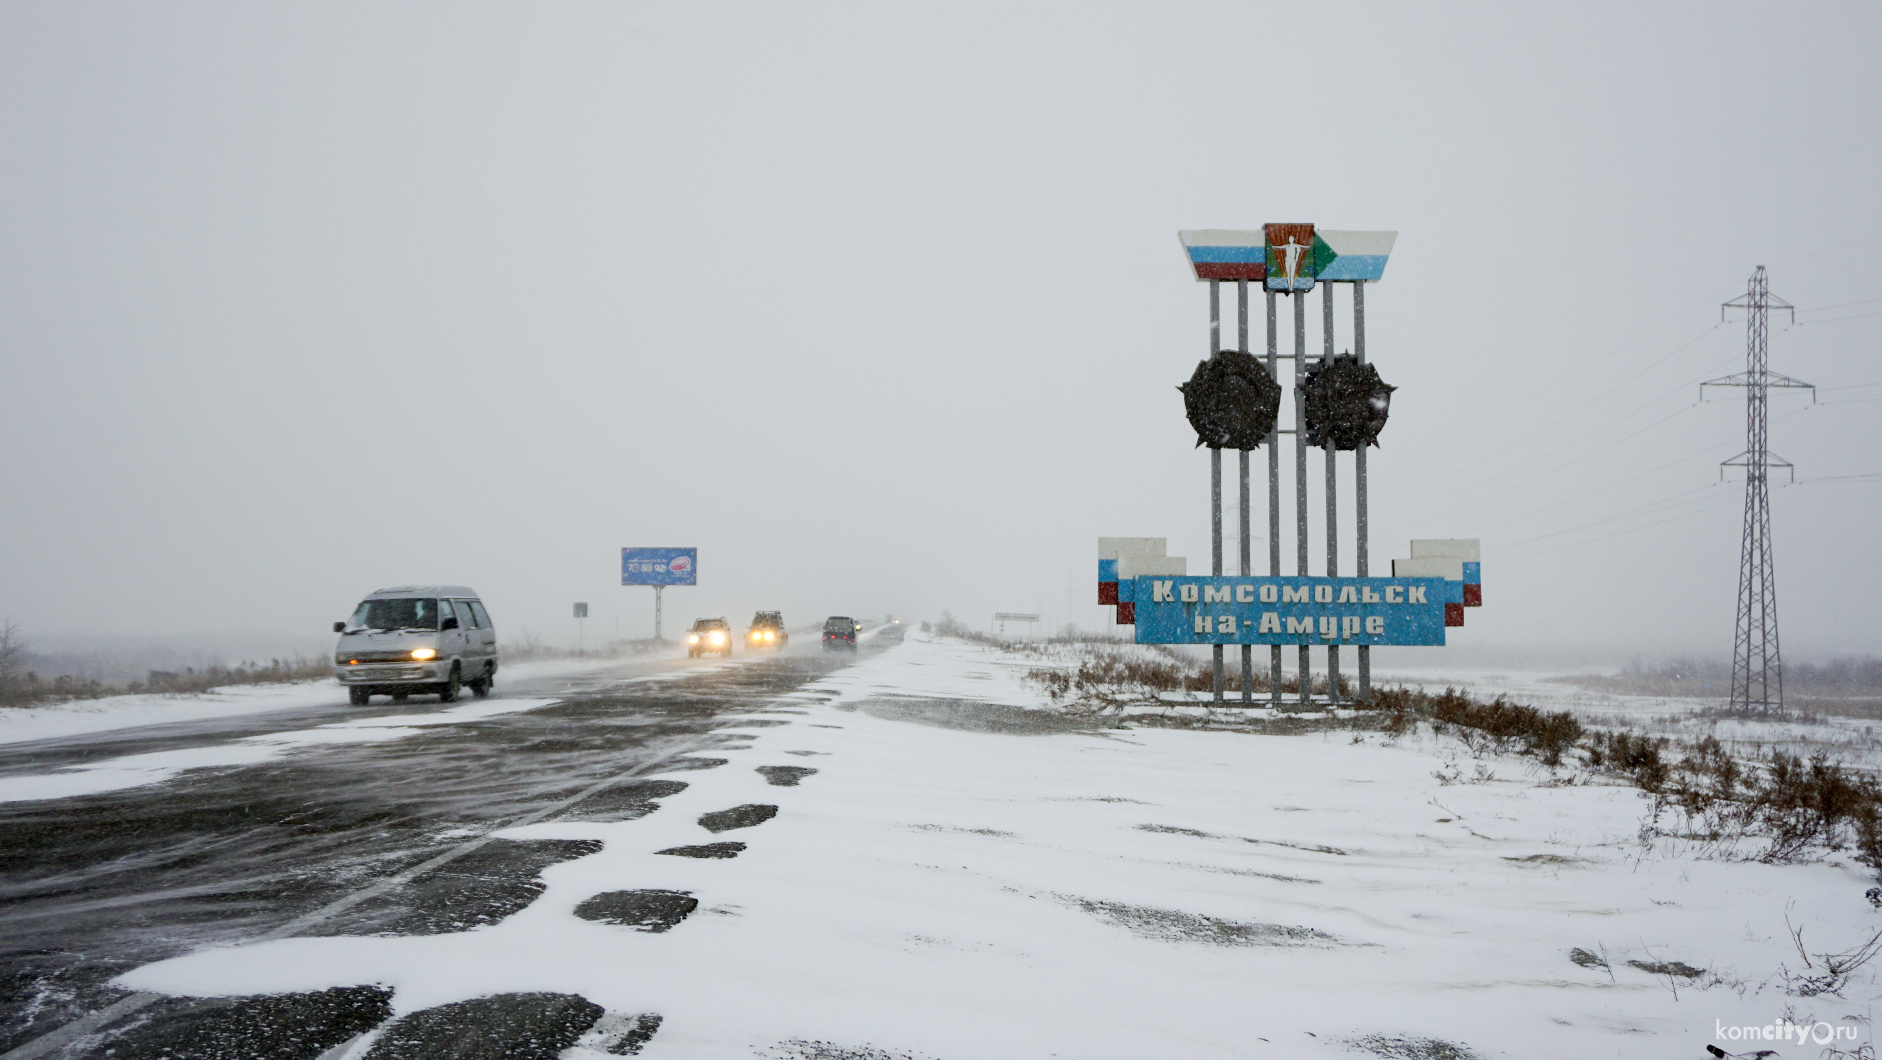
{"x": 656, "y": 613}
{"x": 1300, "y": 474}
{"x": 1248, "y": 650}
{"x": 1359, "y": 485}
{"x": 1215, "y": 472}
{"x": 1333, "y": 508}
{"x": 1274, "y": 504}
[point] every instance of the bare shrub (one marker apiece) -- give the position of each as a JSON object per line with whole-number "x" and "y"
{"x": 1498, "y": 725}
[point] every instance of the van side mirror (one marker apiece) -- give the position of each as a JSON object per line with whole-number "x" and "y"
{"x": 449, "y": 623}
{"x": 339, "y": 627}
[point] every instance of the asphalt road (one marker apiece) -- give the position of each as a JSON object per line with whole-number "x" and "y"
{"x": 325, "y": 841}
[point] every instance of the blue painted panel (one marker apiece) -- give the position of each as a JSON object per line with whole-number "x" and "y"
{"x": 1229, "y": 255}
{"x": 659, "y": 566}
{"x": 1349, "y": 267}
{"x": 1126, "y": 591}
{"x": 1473, "y": 574}
{"x": 1323, "y": 610}
{"x": 1107, "y": 570}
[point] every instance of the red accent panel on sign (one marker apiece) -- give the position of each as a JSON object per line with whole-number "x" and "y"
{"x": 1453, "y": 614}
{"x": 1473, "y": 596}
{"x": 1127, "y": 614}
{"x": 1231, "y": 270}
{"x": 1107, "y": 592}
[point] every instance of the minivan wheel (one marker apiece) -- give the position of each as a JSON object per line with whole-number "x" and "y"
{"x": 481, "y": 687}
{"x": 447, "y": 693}
{"x": 359, "y": 696}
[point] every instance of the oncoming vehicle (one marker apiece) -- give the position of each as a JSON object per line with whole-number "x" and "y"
{"x": 417, "y": 638}
{"x": 767, "y": 631}
{"x": 709, "y": 634}
{"x": 839, "y": 631}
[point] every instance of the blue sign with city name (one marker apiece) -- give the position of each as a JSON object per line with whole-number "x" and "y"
{"x": 1264, "y": 610}
{"x": 659, "y": 566}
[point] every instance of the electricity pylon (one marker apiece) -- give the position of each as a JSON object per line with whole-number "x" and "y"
{"x": 1757, "y": 666}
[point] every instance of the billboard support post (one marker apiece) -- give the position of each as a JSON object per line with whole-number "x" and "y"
{"x": 1300, "y": 476}
{"x": 1359, "y": 485}
{"x": 1215, "y": 473}
{"x": 1333, "y": 487}
{"x": 1241, "y": 344}
{"x": 656, "y": 614}
{"x": 1274, "y": 502}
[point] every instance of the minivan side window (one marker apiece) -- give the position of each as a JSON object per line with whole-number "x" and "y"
{"x": 465, "y": 620}
{"x": 483, "y": 617}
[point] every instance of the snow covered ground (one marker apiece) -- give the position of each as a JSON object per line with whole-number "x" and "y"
{"x": 982, "y": 887}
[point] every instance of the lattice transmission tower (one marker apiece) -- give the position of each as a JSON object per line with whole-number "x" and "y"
{"x": 1757, "y": 665}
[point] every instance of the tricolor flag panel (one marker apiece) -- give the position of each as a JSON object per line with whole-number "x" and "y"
{"x": 1335, "y": 256}
{"x": 1351, "y": 256}
{"x": 1112, "y": 549}
{"x": 1457, "y": 561}
{"x": 1226, "y": 254}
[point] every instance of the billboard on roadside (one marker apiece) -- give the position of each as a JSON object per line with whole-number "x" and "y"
{"x": 660, "y": 566}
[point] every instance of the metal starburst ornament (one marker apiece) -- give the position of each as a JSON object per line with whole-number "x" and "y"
{"x": 1346, "y": 403}
{"x": 1232, "y": 401}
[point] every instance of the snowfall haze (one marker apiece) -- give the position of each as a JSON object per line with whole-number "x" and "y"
{"x": 883, "y": 309}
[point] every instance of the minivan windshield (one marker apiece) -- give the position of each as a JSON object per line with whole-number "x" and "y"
{"x": 407, "y": 613}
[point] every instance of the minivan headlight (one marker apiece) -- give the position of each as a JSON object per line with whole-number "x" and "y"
{"x": 421, "y": 654}
{"x": 692, "y": 638}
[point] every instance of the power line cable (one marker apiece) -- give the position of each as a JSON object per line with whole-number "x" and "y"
{"x": 1840, "y": 305}
{"x": 1622, "y": 533}
{"x": 1598, "y": 397}
{"x": 1676, "y": 500}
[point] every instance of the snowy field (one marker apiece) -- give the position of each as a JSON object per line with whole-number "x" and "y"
{"x": 960, "y": 878}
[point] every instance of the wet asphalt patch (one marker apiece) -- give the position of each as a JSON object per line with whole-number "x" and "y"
{"x": 1173, "y": 925}
{"x": 746, "y": 816}
{"x": 482, "y": 887}
{"x": 705, "y": 850}
{"x": 274, "y": 1027}
{"x": 784, "y": 776}
{"x": 806, "y": 754}
{"x": 503, "y": 1027}
{"x": 96, "y": 885}
{"x": 628, "y": 801}
{"x": 650, "y": 911}
{"x": 1394, "y": 1047}
{"x": 619, "y": 1034}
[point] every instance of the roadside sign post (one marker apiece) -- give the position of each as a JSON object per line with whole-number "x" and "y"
{"x": 659, "y": 567}
{"x": 581, "y": 615}
{"x": 1339, "y": 403}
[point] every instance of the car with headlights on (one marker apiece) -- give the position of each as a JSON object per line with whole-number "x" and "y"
{"x": 708, "y": 635}
{"x": 767, "y": 631}
{"x": 416, "y": 639}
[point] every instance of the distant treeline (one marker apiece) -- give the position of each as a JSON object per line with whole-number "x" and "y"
{"x": 1853, "y": 677}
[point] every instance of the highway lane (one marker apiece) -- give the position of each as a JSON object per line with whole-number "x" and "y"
{"x": 93, "y": 885}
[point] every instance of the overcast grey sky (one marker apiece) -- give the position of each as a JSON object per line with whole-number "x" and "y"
{"x": 882, "y": 306}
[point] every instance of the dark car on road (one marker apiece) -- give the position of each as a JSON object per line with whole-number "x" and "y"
{"x": 767, "y": 631}
{"x": 839, "y": 631}
{"x": 709, "y": 634}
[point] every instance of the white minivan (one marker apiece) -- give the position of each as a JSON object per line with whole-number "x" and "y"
{"x": 417, "y": 638}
